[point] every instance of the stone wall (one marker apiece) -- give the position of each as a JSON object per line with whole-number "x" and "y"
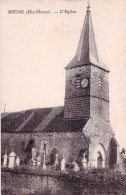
{"x": 100, "y": 132}
{"x": 68, "y": 144}
{"x": 77, "y": 99}
{"x": 99, "y": 92}
{"x": 90, "y": 101}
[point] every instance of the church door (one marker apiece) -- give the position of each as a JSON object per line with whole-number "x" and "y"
{"x": 99, "y": 160}
{"x": 113, "y": 154}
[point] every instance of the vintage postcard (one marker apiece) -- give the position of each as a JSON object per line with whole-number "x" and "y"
{"x": 63, "y": 109}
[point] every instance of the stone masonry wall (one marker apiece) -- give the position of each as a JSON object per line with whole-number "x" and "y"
{"x": 77, "y": 99}
{"x": 68, "y": 144}
{"x": 99, "y": 91}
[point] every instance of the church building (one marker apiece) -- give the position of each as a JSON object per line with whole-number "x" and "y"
{"x": 81, "y": 126}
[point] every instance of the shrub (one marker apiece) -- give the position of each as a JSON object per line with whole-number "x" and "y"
{"x": 97, "y": 177}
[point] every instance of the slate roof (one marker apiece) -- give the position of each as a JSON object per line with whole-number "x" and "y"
{"x": 87, "y": 52}
{"x": 40, "y": 120}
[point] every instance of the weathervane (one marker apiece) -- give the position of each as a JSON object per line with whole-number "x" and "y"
{"x": 89, "y": 2}
{"x": 88, "y": 7}
{"x": 4, "y": 107}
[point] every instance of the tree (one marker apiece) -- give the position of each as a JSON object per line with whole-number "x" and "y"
{"x": 123, "y": 151}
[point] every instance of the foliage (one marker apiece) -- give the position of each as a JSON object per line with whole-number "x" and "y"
{"x": 97, "y": 177}
{"x": 123, "y": 151}
{"x": 88, "y": 178}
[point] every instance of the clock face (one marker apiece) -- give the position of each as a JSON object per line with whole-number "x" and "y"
{"x": 84, "y": 83}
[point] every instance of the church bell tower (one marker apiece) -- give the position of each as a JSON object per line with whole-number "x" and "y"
{"x": 87, "y": 88}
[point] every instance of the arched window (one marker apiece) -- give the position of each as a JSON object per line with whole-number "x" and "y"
{"x": 22, "y": 147}
{"x": 43, "y": 147}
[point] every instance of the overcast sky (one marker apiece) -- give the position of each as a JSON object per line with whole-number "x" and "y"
{"x": 37, "y": 47}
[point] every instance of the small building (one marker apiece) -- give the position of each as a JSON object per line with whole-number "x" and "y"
{"x": 81, "y": 126}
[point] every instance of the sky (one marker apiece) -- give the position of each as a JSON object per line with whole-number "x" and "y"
{"x": 36, "y": 48}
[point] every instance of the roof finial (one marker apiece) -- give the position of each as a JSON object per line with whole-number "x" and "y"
{"x": 88, "y": 7}
{"x": 4, "y": 107}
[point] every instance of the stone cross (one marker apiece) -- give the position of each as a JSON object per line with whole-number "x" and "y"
{"x": 44, "y": 163}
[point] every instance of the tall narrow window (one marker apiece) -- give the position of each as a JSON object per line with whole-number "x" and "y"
{"x": 45, "y": 147}
{"x": 78, "y": 81}
{"x": 99, "y": 82}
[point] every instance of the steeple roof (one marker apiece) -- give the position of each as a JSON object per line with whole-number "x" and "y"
{"x": 87, "y": 51}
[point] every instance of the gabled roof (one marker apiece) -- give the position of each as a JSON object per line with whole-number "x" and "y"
{"x": 40, "y": 120}
{"x": 87, "y": 51}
